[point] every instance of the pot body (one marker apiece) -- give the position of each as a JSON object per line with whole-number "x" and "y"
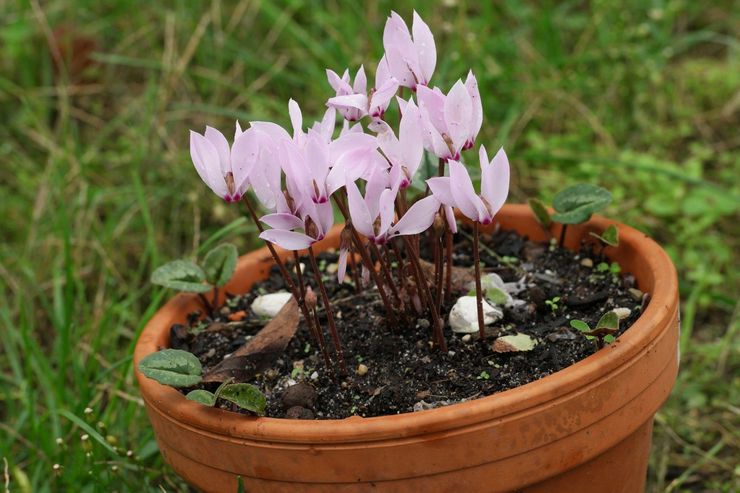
{"x": 584, "y": 429}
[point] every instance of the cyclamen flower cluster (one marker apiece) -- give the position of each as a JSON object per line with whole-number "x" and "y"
{"x": 296, "y": 175}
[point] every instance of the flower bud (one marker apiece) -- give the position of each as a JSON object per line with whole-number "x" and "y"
{"x": 311, "y": 300}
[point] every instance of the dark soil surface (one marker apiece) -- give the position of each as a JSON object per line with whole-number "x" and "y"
{"x": 397, "y": 369}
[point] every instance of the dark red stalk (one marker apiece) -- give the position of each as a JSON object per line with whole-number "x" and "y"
{"x": 278, "y": 261}
{"x": 386, "y": 272}
{"x": 315, "y": 329}
{"x": 368, "y": 262}
{"x": 423, "y": 288}
{"x": 436, "y": 247}
{"x": 478, "y": 289}
{"x": 562, "y": 236}
{"x": 329, "y": 313}
{"x": 448, "y": 266}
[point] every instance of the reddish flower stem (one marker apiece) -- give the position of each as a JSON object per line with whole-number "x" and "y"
{"x": 314, "y": 328}
{"x": 386, "y": 272}
{"x": 423, "y": 288}
{"x": 478, "y": 289}
{"x": 328, "y": 310}
{"x": 368, "y": 262}
{"x": 448, "y": 266}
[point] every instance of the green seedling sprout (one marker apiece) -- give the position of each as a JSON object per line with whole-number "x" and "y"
{"x": 553, "y": 303}
{"x": 604, "y": 331}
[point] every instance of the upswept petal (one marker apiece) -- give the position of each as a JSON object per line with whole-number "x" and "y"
{"x": 426, "y": 50}
{"x": 206, "y": 160}
{"x": 342, "y": 265}
{"x": 386, "y": 204}
{"x": 358, "y": 211}
{"x": 463, "y": 192}
{"x": 418, "y": 218}
{"x": 218, "y": 140}
{"x": 354, "y": 101}
{"x": 432, "y": 101}
{"x": 451, "y": 220}
{"x": 360, "y": 84}
{"x": 411, "y": 138}
{"x": 244, "y": 156}
{"x": 382, "y": 73}
{"x": 296, "y": 119}
{"x": 289, "y": 240}
{"x": 476, "y": 119}
{"x": 495, "y": 180}
{"x": 457, "y": 110}
{"x": 337, "y": 83}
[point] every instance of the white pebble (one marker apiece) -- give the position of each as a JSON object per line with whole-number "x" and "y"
{"x": 268, "y": 305}
{"x": 622, "y": 313}
{"x": 464, "y": 315}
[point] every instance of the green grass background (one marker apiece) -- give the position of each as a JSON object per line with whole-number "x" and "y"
{"x": 97, "y": 188}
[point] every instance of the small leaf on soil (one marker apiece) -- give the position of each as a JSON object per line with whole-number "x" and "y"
{"x": 496, "y": 296}
{"x": 580, "y": 325}
{"x": 202, "y": 396}
{"x": 219, "y": 264}
{"x": 609, "y": 338}
{"x": 514, "y": 343}
{"x": 540, "y": 212}
{"x": 610, "y": 236}
{"x": 245, "y": 396}
{"x": 610, "y": 320}
{"x": 182, "y": 275}
{"x": 172, "y": 367}
{"x": 575, "y": 204}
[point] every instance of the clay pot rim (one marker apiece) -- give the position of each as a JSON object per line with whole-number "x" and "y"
{"x": 171, "y": 403}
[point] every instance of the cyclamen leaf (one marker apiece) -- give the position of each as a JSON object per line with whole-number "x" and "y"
{"x": 182, "y": 275}
{"x": 609, "y": 338}
{"x": 610, "y": 320}
{"x": 610, "y": 236}
{"x": 580, "y": 325}
{"x": 540, "y": 212}
{"x": 219, "y": 264}
{"x": 172, "y": 367}
{"x": 202, "y": 396}
{"x": 576, "y": 204}
{"x": 245, "y": 396}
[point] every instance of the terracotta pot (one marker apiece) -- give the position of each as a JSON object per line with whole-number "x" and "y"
{"x": 586, "y": 428}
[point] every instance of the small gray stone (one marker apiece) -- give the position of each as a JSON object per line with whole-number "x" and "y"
{"x": 464, "y": 315}
{"x": 268, "y": 305}
{"x": 298, "y": 412}
{"x": 300, "y": 394}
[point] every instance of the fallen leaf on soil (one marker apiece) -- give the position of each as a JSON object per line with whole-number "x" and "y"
{"x": 237, "y": 316}
{"x": 514, "y": 343}
{"x": 259, "y": 350}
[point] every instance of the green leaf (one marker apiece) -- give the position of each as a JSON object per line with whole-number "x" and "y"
{"x": 610, "y": 236}
{"x": 219, "y": 264}
{"x": 580, "y": 325}
{"x": 576, "y": 204}
{"x": 609, "y": 338}
{"x": 202, "y": 396}
{"x": 172, "y": 367}
{"x": 497, "y": 296}
{"x": 540, "y": 212}
{"x": 182, "y": 275}
{"x": 609, "y": 320}
{"x": 245, "y": 396}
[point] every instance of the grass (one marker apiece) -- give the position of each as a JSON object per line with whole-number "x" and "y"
{"x": 96, "y": 187}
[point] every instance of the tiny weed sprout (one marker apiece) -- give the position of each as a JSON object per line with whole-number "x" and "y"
{"x": 604, "y": 330}
{"x": 553, "y": 303}
{"x": 610, "y": 236}
{"x": 376, "y": 176}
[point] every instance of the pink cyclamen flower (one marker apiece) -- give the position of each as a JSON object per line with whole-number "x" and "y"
{"x": 373, "y": 214}
{"x": 353, "y": 101}
{"x": 457, "y": 189}
{"x": 223, "y": 168}
{"x": 410, "y": 61}
{"x": 315, "y": 220}
{"x": 405, "y": 153}
{"x": 452, "y": 121}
